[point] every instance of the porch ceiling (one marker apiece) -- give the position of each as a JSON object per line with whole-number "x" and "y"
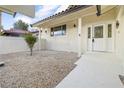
{"x": 73, "y": 16}
{"x": 106, "y": 8}
{"x": 28, "y": 10}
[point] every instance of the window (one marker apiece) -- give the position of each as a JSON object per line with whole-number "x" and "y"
{"x": 98, "y": 32}
{"x": 109, "y": 30}
{"x": 58, "y": 31}
{"x": 89, "y": 32}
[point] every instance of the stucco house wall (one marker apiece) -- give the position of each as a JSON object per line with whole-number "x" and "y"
{"x": 120, "y": 34}
{"x": 67, "y": 42}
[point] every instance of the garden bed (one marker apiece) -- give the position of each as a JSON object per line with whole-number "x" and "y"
{"x": 44, "y": 69}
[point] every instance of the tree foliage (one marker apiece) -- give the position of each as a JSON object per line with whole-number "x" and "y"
{"x": 21, "y": 25}
{"x": 30, "y": 40}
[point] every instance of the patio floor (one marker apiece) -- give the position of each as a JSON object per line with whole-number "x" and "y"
{"x": 43, "y": 69}
{"x": 95, "y": 70}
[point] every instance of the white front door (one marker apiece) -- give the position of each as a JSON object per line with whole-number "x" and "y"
{"x": 98, "y": 38}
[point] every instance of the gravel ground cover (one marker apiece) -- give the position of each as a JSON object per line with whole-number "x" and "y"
{"x": 45, "y": 69}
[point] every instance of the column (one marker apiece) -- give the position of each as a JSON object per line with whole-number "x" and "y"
{"x": 39, "y": 37}
{"x": 79, "y": 36}
{"x": 0, "y": 21}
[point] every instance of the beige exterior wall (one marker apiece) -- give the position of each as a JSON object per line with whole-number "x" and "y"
{"x": 0, "y": 20}
{"x": 67, "y": 42}
{"x": 120, "y": 34}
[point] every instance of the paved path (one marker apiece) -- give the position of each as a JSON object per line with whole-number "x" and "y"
{"x": 94, "y": 70}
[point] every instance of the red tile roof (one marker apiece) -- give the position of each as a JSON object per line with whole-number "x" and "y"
{"x": 16, "y": 32}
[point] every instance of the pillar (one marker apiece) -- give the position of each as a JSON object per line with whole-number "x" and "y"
{"x": 39, "y": 38}
{"x": 0, "y": 21}
{"x": 79, "y": 36}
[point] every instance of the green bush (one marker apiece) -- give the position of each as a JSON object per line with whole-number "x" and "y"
{"x": 30, "y": 40}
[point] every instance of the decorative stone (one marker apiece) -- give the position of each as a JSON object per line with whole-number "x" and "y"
{"x": 1, "y": 64}
{"x": 121, "y": 78}
{"x": 45, "y": 69}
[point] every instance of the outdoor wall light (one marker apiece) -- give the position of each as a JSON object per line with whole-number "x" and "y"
{"x": 117, "y": 24}
{"x": 74, "y": 25}
{"x": 46, "y": 31}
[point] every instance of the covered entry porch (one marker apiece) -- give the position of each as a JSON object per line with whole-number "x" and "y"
{"x": 99, "y": 32}
{"x": 75, "y": 36}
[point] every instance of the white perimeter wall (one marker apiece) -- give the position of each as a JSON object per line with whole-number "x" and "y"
{"x": 16, "y": 44}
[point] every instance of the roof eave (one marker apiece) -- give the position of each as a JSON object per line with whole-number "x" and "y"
{"x": 60, "y": 14}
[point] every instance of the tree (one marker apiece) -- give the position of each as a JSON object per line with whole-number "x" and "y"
{"x": 30, "y": 40}
{"x": 21, "y": 25}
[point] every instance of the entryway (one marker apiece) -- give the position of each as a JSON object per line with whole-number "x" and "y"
{"x": 100, "y": 38}
{"x": 95, "y": 70}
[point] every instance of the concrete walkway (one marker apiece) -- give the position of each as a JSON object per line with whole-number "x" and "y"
{"x": 94, "y": 70}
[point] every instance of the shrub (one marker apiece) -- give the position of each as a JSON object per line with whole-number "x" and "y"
{"x": 30, "y": 40}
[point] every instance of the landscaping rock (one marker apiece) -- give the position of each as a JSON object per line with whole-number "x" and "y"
{"x": 45, "y": 69}
{"x": 1, "y": 64}
{"x": 121, "y": 78}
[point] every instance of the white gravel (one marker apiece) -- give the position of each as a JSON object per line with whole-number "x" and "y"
{"x": 42, "y": 70}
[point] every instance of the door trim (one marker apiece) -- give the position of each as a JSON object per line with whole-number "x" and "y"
{"x": 91, "y": 26}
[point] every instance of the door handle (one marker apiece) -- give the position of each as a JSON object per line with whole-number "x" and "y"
{"x": 93, "y": 40}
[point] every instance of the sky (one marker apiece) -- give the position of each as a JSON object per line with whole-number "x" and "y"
{"x": 41, "y": 12}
